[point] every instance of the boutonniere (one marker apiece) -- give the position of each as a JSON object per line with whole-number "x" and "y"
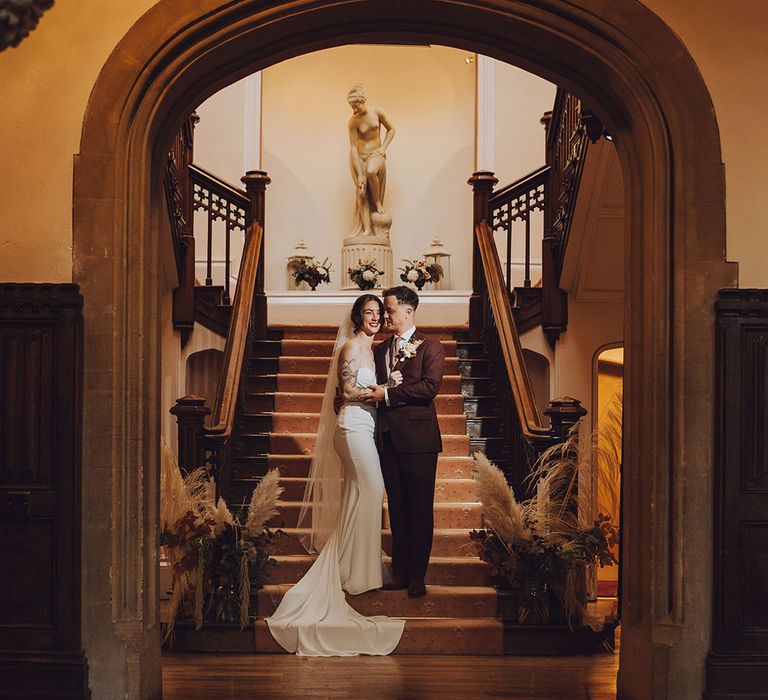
{"x": 409, "y": 350}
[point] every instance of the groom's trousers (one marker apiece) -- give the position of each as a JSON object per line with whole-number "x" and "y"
{"x": 410, "y": 483}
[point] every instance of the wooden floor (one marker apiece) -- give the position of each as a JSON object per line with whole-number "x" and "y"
{"x": 190, "y": 676}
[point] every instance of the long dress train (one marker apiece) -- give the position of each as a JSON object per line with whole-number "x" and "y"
{"x": 314, "y": 619}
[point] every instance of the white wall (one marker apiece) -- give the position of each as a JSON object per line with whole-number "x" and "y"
{"x": 520, "y": 100}
{"x": 427, "y": 93}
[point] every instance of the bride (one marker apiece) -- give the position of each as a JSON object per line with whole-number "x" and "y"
{"x": 314, "y": 619}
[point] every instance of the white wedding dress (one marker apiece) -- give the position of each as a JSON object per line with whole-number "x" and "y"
{"x": 314, "y": 619}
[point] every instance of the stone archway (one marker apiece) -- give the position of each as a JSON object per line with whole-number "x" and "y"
{"x": 641, "y": 81}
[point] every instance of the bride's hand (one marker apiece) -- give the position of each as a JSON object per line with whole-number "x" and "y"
{"x": 395, "y": 378}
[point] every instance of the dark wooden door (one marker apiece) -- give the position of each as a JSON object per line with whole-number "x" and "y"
{"x": 40, "y": 427}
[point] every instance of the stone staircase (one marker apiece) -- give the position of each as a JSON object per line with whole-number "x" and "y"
{"x": 285, "y": 384}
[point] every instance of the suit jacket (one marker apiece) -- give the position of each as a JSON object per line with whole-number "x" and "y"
{"x": 411, "y": 417}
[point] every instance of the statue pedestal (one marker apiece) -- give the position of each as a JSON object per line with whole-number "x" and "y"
{"x": 374, "y": 248}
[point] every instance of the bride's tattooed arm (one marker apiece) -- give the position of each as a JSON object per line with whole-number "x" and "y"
{"x": 348, "y": 369}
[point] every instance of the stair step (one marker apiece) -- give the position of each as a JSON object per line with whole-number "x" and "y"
{"x": 292, "y": 364}
{"x": 311, "y": 347}
{"x": 447, "y": 515}
{"x": 486, "y": 426}
{"x": 329, "y": 332}
{"x": 446, "y": 490}
{"x": 440, "y": 601}
{"x": 286, "y": 423}
{"x": 302, "y": 402}
{"x": 477, "y": 386}
{"x": 480, "y": 406}
{"x": 473, "y": 367}
{"x": 446, "y": 542}
{"x": 298, "y": 466}
{"x": 266, "y": 348}
{"x": 493, "y": 447}
{"x": 443, "y": 571}
{"x": 304, "y": 443}
{"x": 470, "y": 349}
{"x": 453, "y": 636}
{"x": 315, "y": 383}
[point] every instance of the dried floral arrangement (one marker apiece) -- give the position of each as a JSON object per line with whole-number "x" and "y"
{"x": 543, "y": 547}
{"x": 419, "y": 273}
{"x": 366, "y": 274}
{"x": 216, "y": 560}
{"x": 310, "y": 270}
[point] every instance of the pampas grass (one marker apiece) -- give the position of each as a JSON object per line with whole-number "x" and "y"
{"x": 180, "y": 496}
{"x": 245, "y": 592}
{"x": 221, "y": 516}
{"x": 501, "y": 511}
{"x": 559, "y": 518}
{"x": 202, "y": 535}
{"x": 263, "y": 503}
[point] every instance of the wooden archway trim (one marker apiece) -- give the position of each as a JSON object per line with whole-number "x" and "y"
{"x": 640, "y": 80}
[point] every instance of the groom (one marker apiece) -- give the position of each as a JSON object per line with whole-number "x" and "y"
{"x": 408, "y": 436}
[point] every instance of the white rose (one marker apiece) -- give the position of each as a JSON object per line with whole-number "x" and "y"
{"x": 412, "y": 275}
{"x": 368, "y": 276}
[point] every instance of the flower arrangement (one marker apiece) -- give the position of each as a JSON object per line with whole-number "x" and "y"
{"x": 419, "y": 273}
{"x": 366, "y": 274}
{"x": 216, "y": 561}
{"x": 542, "y": 548}
{"x": 409, "y": 350}
{"x": 310, "y": 270}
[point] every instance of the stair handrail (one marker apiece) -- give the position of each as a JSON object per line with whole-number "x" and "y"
{"x": 514, "y": 365}
{"x": 218, "y": 185}
{"x": 524, "y": 433}
{"x": 238, "y": 333}
{"x": 526, "y": 183}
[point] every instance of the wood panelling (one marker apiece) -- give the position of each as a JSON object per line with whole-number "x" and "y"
{"x": 40, "y": 428}
{"x": 738, "y": 662}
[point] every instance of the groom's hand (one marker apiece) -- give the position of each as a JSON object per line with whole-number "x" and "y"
{"x": 377, "y": 394}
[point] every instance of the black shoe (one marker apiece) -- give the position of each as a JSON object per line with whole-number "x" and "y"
{"x": 396, "y": 585}
{"x": 417, "y": 590}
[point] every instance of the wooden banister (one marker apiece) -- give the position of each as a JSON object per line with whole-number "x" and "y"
{"x": 519, "y": 187}
{"x": 524, "y": 432}
{"x": 511, "y": 349}
{"x": 248, "y": 322}
{"x": 223, "y": 414}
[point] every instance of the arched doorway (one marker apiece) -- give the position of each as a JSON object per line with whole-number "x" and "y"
{"x": 643, "y": 84}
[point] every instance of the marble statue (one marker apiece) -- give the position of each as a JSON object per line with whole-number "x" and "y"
{"x": 368, "y": 163}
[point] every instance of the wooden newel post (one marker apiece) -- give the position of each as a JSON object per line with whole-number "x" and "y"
{"x": 190, "y": 412}
{"x": 482, "y": 183}
{"x": 563, "y": 414}
{"x": 256, "y": 182}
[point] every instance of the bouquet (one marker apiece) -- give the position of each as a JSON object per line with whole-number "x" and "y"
{"x": 419, "y": 273}
{"x": 366, "y": 274}
{"x": 311, "y": 271}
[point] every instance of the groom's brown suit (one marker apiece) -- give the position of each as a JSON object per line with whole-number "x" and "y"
{"x": 409, "y": 440}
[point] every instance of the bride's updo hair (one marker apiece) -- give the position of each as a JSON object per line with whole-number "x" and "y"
{"x": 356, "y": 315}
